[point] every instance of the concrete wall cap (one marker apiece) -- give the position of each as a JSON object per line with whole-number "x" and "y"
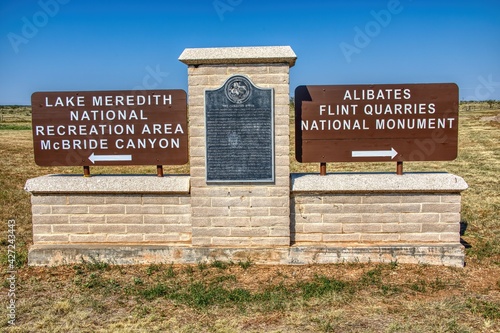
{"x": 378, "y": 182}
{"x": 108, "y": 184}
{"x": 239, "y": 55}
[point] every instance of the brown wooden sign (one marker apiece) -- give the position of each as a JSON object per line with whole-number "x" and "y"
{"x": 110, "y": 128}
{"x": 368, "y": 123}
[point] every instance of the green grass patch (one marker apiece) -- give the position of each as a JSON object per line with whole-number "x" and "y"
{"x": 15, "y": 127}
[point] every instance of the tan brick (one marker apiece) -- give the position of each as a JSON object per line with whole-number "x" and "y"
{"x": 196, "y": 100}
{"x": 441, "y": 227}
{"x": 232, "y": 222}
{"x": 297, "y": 226}
{"x": 208, "y": 192}
{"x": 143, "y": 209}
{"x": 248, "y": 212}
{"x": 419, "y": 217}
{"x": 282, "y": 172}
{"x": 420, "y": 237}
{"x": 384, "y": 238}
{"x": 342, "y": 199}
{"x": 185, "y": 200}
{"x": 231, "y": 202}
{"x": 306, "y": 237}
{"x": 124, "y": 219}
{"x": 279, "y": 232}
{"x": 270, "y": 241}
{"x": 198, "y": 171}
{"x": 70, "y": 229}
{"x": 50, "y": 219}
{"x": 216, "y": 80}
{"x": 278, "y": 68}
{"x": 441, "y": 208}
{"x": 280, "y": 98}
{"x": 185, "y": 237}
{"x": 201, "y": 241}
{"x": 107, "y": 209}
{"x": 282, "y": 180}
{"x": 41, "y": 238}
{"x": 40, "y": 210}
{"x": 86, "y": 199}
{"x": 125, "y": 238}
{"x": 107, "y": 229}
{"x": 420, "y": 198}
{"x": 316, "y": 199}
{"x": 49, "y": 200}
{"x": 197, "y": 142}
{"x": 322, "y": 209}
{"x": 124, "y": 199}
{"x": 362, "y": 228}
{"x": 341, "y": 237}
{"x": 203, "y": 222}
{"x": 198, "y": 80}
{"x": 230, "y": 241}
{"x": 281, "y": 159}
{"x": 176, "y": 210}
{"x": 270, "y": 202}
{"x": 380, "y": 218}
{"x": 144, "y": 228}
{"x": 42, "y": 229}
{"x": 322, "y": 228}
{"x": 167, "y": 219}
{"x": 92, "y": 238}
{"x": 248, "y": 192}
{"x": 167, "y": 238}
{"x": 451, "y": 237}
{"x": 451, "y": 198}
{"x": 212, "y": 232}
{"x": 206, "y": 70}
{"x": 281, "y": 130}
{"x": 401, "y": 208}
{"x": 69, "y": 209}
{"x": 376, "y": 199}
{"x": 159, "y": 200}
{"x": 343, "y": 218}
{"x": 401, "y": 228}
{"x": 279, "y": 211}
{"x": 308, "y": 218}
{"x": 211, "y": 211}
{"x": 249, "y": 232}
{"x": 449, "y": 217}
{"x": 86, "y": 218}
{"x": 179, "y": 228}
{"x": 247, "y": 70}
{"x": 269, "y": 221}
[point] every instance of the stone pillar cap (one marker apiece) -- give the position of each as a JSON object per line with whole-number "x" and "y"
{"x": 238, "y": 55}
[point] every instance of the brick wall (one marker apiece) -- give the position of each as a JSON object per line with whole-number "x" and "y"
{"x": 422, "y": 218}
{"x": 240, "y": 215}
{"x": 111, "y": 219}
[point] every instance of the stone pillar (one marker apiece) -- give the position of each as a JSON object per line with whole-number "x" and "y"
{"x": 235, "y": 214}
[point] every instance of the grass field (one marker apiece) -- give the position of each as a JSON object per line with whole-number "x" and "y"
{"x": 243, "y": 297}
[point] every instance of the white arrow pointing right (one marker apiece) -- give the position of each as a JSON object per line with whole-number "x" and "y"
{"x": 375, "y": 153}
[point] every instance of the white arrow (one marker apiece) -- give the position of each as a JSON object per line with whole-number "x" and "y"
{"x": 375, "y": 153}
{"x": 93, "y": 158}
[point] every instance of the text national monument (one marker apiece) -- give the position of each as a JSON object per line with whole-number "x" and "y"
{"x": 240, "y": 201}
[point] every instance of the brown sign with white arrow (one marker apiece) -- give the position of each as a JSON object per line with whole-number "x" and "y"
{"x": 110, "y": 128}
{"x": 371, "y": 123}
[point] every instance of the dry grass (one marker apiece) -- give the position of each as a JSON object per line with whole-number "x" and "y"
{"x": 242, "y": 297}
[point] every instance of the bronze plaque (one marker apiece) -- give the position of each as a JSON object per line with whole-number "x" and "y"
{"x": 375, "y": 123}
{"x": 110, "y": 128}
{"x": 239, "y": 123}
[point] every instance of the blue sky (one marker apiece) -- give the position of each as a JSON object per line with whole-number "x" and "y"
{"x": 78, "y": 45}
